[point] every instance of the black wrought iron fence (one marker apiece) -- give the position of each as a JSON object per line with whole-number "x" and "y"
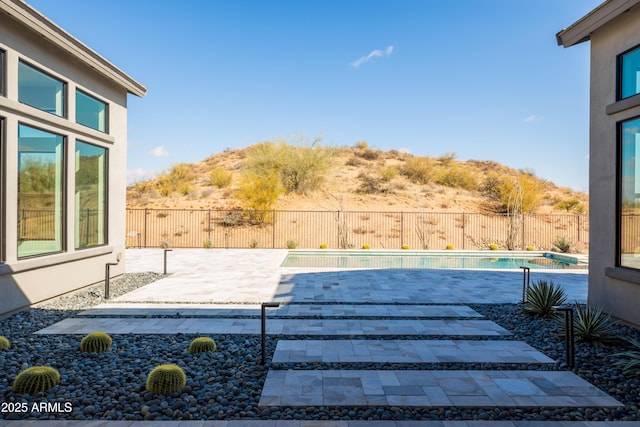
{"x": 191, "y": 228}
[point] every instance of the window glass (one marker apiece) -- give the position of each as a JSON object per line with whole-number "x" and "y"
{"x": 91, "y": 112}
{"x": 2, "y": 72}
{"x": 40, "y": 191}
{"x": 90, "y": 195}
{"x": 630, "y": 74}
{"x": 40, "y": 90}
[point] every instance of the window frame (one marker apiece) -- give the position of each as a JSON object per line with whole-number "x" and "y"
{"x": 65, "y": 86}
{"x": 105, "y": 220}
{"x": 3, "y": 72}
{"x": 63, "y": 190}
{"x": 619, "y": 192}
{"x": 95, "y": 98}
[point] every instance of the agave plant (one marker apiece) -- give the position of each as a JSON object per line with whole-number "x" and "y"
{"x": 542, "y": 296}
{"x": 629, "y": 361}
{"x": 591, "y": 325}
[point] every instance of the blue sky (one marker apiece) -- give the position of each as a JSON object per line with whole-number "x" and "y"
{"x": 482, "y": 78}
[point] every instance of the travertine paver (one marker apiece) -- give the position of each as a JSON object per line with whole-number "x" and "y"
{"x": 286, "y": 310}
{"x": 407, "y": 351}
{"x": 476, "y": 388}
{"x": 123, "y": 325}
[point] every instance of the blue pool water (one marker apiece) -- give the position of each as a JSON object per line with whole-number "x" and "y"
{"x": 436, "y": 260}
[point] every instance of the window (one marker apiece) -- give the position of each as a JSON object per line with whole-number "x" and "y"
{"x": 90, "y": 197}
{"x": 40, "y": 192}
{"x": 40, "y": 90}
{"x": 91, "y": 112}
{"x": 629, "y": 73}
{"x": 2, "y": 72}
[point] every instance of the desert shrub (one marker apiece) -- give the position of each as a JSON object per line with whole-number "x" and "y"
{"x": 362, "y": 145}
{"x": 629, "y": 361}
{"x": 450, "y": 247}
{"x": 36, "y": 379}
{"x": 590, "y": 325}
{"x": 562, "y": 244}
{"x": 184, "y": 188}
{"x": 369, "y": 154}
{"x": 259, "y": 192}
{"x": 301, "y": 168}
{"x": 499, "y": 189}
{"x": 220, "y": 178}
{"x": 354, "y": 161}
{"x": 530, "y": 248}
{"x": 165, "y": 379}
{"x": 168, "y": 182}
{"x": 419, "y": 169}
{"x": 95, "y": 342}
{"x": 447, "y": 158}
{"x": 572, "y": 203}
{"x": 406, "y": 247}
{"x": 207, "y": 244}
{"x": 254, "y": 244}
{"x": 369, "y": 184}
{"x": 387, "y": 173}
{"x": 542, "y": 296}
{"x": 292, "y": 244}
{"x": 366, "y": 246}
{"x": 493, "y": 247}
{"x": 456, "y": 177}
{"x": 232, "y": 220}
{"x": 202, "y": 345}
{"x": 323, "y": 246}
{"x": 4, "y": 343}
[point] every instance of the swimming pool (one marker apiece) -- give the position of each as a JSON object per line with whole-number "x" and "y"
{"x": 481, "y": 260}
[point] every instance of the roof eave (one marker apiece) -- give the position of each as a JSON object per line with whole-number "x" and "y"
{"x": 34, "y": 20}
{"x": 581, "y": 30}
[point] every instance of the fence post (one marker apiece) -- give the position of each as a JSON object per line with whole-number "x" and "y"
{"x": 273, "y": 229}
{"x": 463, "y": 220}
{"x": 401, "y": 229}
{"x": 578, "y": 227}
{"x": 144, "y": 229}
{"x": 522, "y": 246}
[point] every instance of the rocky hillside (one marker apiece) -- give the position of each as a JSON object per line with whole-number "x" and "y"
{"x": 358, "y": 178}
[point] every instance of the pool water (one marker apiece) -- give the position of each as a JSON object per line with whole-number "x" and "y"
{"x": 387, "y": 260}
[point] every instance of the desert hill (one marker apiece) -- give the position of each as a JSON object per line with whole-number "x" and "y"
{"x": 359, "y": 178}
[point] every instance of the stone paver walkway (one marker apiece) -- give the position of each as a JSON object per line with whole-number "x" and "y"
{"x": 316, "y": 423}
{"x": 300, "y": 388}
{"x": 407, "y": 351}
{"x": 276, "y": 326}
{"x": 286, "y": 310}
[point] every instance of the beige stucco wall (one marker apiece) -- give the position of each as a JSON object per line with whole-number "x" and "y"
{"x": 28, "y": 281}
{"x": 620, "y": 297}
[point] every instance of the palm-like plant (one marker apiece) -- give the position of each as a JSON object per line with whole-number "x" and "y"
{"x": 542, "y": 296}
{"x": 629, "y": 361}
{"x": 591, "y": 325}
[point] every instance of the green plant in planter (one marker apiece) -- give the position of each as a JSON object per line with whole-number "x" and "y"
{"x": 493, "y": 247}
{"x": 629, "y": 361}
{"x": 406, "y": 247}
{"x": 95, "y": 342}
{"x": 530, "y": 248}
{"x": 165, "y": 379}
{"x": 202, "y": 345}
{"x": 542, "y": 295}
{"x": 366, "y": 246}
{"x": 291, "y": 244}
{"x": 323, "y": 246}
{"x": 591, "y": 325}
{"x": 36, "y": 379}
{"x": 4, "y": 343}
{"x": 450, "y": 247}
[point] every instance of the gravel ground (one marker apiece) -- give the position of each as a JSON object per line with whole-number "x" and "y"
{"x": 227, "y": 384}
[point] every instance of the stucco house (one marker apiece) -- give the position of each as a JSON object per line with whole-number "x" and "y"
{"x": 613, "y": 28}
{"x": 63, "y": 148}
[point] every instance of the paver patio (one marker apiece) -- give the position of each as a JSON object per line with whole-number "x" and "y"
{"x": 407, "y": 351}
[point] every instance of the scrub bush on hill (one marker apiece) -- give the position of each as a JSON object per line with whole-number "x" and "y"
{"x": 220, "y": 178}
{"x": 420, "y": 170}
{"x": 259, "y": 193}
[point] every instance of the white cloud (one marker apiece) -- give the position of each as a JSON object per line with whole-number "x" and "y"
{"x": 532, "y": 118}
{"x": 139, "y": 174}
{"x": 405, "y": 150}
{"x": 159, "y": 152}
{"x": 374, "y": 54}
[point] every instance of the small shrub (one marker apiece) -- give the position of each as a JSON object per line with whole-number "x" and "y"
{"x": 493, "y": 247}
{"x": 220, "y": 178}
{"x": 366, "y": 246}
{"x": 202, "y": 345}
{"x": 362, "y": 145}
{"x": 185, "y": 188}
{"x": 406, "y": 247}
{"x": 629, "y": 361}
{"x": 562, "y": 244}
{"x": 369, "y": 184}
{"x": 591, "y": 325}
{"x": 4, "y": 343}
{"x": 165, "y": 379}
{"x": 353, "y": 161}
{"x": 531, "y": 248}
{"x": 387, "y": 173}
{"x": 254, "y": 244}
{"x": 419, "y": 169}
{"x": 95, "y": 342}
{"x": 36, "y": 379}
{"x": 369, "y": 154}
{"x": 542, "y": 296}
{"x": 450, "y": 247}
{"x": 323, "y": 246}
{"x": 259, "y": 192}
{"x": 291, "y": 244}
{"x": 456, "y": 177}
{"x": 208, "y": 244}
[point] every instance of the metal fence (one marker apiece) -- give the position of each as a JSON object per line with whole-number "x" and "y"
{"x": 189, "y": 228}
